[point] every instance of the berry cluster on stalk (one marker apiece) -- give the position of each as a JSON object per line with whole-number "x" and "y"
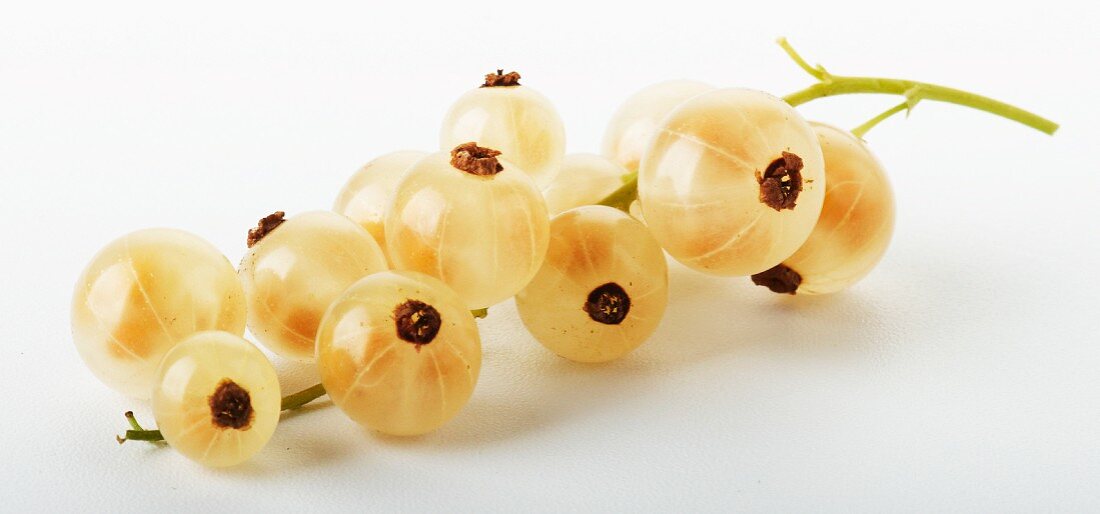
{"x": 382, "y": 292}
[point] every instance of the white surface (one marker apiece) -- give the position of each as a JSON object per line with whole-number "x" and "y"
{"x": 961, "y": 375}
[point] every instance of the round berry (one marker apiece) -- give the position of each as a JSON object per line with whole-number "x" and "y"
{"x": 585, "y": 179}
{"x": 471, "y": 220}
{"x": 366, "y": 194}
{"x": 512, "y": 118}
{"x": 639, "y": 118}
{"x": 296, "y": 269}
{"x": 216, "y": 399}
{"x": 733, "y": 182}
{"x": 399, "y": 352}
{"x": 142, "y": 294}
{"x": 601, "y": 291}
{"x": 855, "y": 226}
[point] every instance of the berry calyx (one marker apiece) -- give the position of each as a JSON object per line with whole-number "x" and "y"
{"x": 476, "y": 160}
{"x": 501, "y": 79}
{"x": 265, "y": 226}
{"x": 781, "y": 182}
{"x": 231, "y": 406}
{"x": 608, "y": 304}
{"x": 780, "y": 279}
{"x": 417, "y": 322}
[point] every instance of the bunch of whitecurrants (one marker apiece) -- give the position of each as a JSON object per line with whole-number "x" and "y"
{"x": 382, "y": 292}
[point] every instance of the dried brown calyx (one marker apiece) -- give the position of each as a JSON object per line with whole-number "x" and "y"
{"x": 417, "y": 322}
{"x": 781, "y": 182}
{"x": 780, "y": 279}
{"x": 608, "y": 304}
{"x": 265, "y": 226}
{"x": 231, "y": 406}
{"x": 501, "y": 79}
{"x": 476, "y": 160}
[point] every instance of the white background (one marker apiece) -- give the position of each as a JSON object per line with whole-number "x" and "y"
{"x": 962, "y": 375}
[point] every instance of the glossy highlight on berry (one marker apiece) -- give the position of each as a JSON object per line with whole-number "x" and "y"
{"x": 292, "y": 274}
{"x": 144, "y": 293}
{"x": 399, "y": 353}
{"x": 733, "y": 182}
{"x": 217, "y": 399}
{"x": 602, "y": 290}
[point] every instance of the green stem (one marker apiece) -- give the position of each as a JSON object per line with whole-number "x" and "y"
{"x": 622, "y": 197}
{"x": 832, "y": 85}
{"x": 871, "y": 123}
{"x": 480, "y": 313}
{"x": 294, "y": 401}
{"x": 303, "y": 397}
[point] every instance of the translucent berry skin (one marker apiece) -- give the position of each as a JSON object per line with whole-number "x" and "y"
{"x": 640, "y": 116}
{"x": 187, "y": 378}
{"x": 484, "y": 236}
{"x": 856, "y": 222}
{"x": 387, "y": 383}
{"x": 292, "y": 275}
{"x": 141, "y": 295}
{"x": 366, "y": 194}
{"x": 589, "y": 247}
{"x": 699, "y": 188}
{"x": 516, "y": 120}
{"x": 585, "y": 179}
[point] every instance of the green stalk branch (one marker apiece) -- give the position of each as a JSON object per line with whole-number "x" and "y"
{"x": 303, "y": 397}
{"x": 291, "y": 402}
{"x": 833, "y": 85}
{"x": 622, "y": 197}
{"x": 870, "y": 124}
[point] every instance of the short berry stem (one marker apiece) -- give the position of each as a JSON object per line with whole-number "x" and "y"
{"x": 291, "y": 402}
{"x": 625, "y": 195}
{"x": 301, "y": 398}
{"x": 871, "y": 123}
{"x": 832, "y": 85}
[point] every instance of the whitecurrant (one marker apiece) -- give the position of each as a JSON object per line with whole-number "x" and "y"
{"x": 471, "y": 220}
{"x": 504, "y": 115}
{"x": 399, "y": 352}
{"x": 855, "y": 226}
{"x": 602, "y": 289}
{"x": 217, "y": 399}
{"x": 145, "y": 292}
{"x": 295, "y": 268}
{"x": 585, "y": 179}
{"x": 733, "y": 182}
{"x": 364, "y": 197}
{"x": 640, "y": 116}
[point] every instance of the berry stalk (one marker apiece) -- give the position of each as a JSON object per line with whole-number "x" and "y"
{"x": 291, "y": 402}
{"x": 914, "y": 91}
{"x": 622, "y": 197}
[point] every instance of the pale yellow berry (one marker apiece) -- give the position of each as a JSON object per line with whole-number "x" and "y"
{"x": 733, "y": 182}
{"x": 366, "y": 194}
{"x": 399, "y": 352}
{"x": 585, "y": 179}
{"x": 142, "y": 294}
{"x": 481, "y": 230}
{"x": 295, "y": 271}
{"x": 639, "y": 117}
{"x": 217, "y": 399}
{"x": 602, "y": 289}
{"x": 855, "y": 227}
{"x": 514, "y": 119}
